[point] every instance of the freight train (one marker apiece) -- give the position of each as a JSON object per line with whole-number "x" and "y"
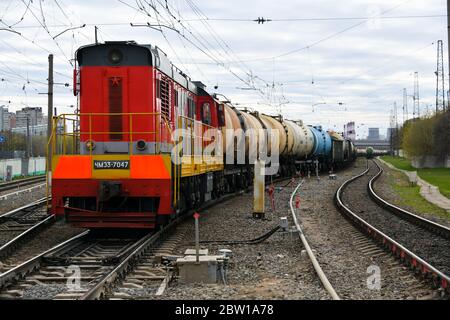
{"x": 121, "y": 161}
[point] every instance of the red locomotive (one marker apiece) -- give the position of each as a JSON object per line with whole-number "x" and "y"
{"x": 112, "y": 161}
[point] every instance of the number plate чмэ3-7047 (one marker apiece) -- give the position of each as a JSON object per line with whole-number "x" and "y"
{"x": 111, "y": 164}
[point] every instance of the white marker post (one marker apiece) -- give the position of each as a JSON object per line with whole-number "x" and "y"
{"x": 197, "y": 239}
{"x": 259, "y": 188}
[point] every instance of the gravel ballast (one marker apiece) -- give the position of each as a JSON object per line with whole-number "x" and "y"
{"x": 276, "y": 268}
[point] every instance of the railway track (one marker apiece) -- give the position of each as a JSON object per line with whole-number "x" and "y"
{"x": 18, "y": 225}
{"x": 421, "y": 245}
{"x": 145, "y": 273}
{"x": 106, "y": 267}
{"x": 152, "y": 274}
{"x": 69, "y": 270}
{"x": 323, "y": 278}
{"x": 17, "y": 184}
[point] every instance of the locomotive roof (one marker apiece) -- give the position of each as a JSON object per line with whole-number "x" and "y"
{"x": 97, "y": 55}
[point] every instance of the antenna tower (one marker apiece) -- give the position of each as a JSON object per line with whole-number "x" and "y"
{"x": 416, "y": 110}
{"x": 440, "y": 86}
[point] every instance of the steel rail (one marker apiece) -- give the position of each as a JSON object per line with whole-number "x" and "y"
{"x": 20, "y": 191}
{"x": 7, "y": 248}
{"x": 31, "y": 205}
{"x": 34, "y": 263}
{"x": 101, "y": 288}
{"x": 404, "y": 214}
{"x": 124, "y": 261}
{"x": 323, "y": 278}
{"x": 20, "y": 183}
{"x": 406, "y": 256}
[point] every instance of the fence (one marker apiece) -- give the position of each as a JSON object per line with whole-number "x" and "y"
{"x": 22, "y": 167}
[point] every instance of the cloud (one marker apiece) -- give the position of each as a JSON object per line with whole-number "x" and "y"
{"x": 365, "y": 67}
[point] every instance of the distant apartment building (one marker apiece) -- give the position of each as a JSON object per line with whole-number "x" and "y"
{"x": 17, "y": 122}
{"x": 7, "y": 119}
{"x": 374, "y": 134}
{"x": 39, "y": 130}
{"x": 34, "y": 116}
{"x": 349, "y": 131}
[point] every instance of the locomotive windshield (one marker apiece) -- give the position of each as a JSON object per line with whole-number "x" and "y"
{"x": 114, "y": 54}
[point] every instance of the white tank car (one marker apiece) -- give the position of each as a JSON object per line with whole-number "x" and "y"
{"x": 300, "y": 138}
{"x": 273, "y": 124}
{"x": 241, "y": 120}
{"x": 232, "y": 122}
{"x": 252, "y": 123}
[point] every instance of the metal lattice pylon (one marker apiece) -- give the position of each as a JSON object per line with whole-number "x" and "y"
{"x": 405, "y": 105}
{"x": 440, "y": 86}
{"x": 416, "y": 97}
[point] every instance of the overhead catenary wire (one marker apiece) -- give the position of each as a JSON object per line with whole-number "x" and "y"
{"x": 203, "y": 42}
{"x": 324, "y": 39}
{"x": 224, "y": 50}
{"x": 305, "y": 19}
{"x": 200, "y": 45}
{"x": 228, "y": 60}
{"x": 44, "y": 26}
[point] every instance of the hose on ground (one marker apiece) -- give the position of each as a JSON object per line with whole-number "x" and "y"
{"x": 252, "y": 241}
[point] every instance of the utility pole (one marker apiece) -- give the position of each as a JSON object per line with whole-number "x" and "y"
{"x": 416, "y": 97}
{"x": 27, "y": 152}
{"x": 405, "y": 105}
{"x": 391, "y": 128}
{"x": 396, "y": 129}
{"x": 448, "y": 36}
{"x": 96, "y": 39}
{"x": 447, "y": 105}
{"x": 50, "y": 114}
{"x": 440, "y": 88}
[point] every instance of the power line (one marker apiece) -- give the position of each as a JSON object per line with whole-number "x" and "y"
{"x": 48, "y": 32}
{"x": 327, "y": 37}
{"x": 199, "y": 44}
{"x": 261, "y": 19}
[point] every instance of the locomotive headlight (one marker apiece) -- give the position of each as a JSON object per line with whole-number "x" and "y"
{"x": 141, "y": 145}
{"x": 90, "y": 145}
{"x": 115, "y": 56}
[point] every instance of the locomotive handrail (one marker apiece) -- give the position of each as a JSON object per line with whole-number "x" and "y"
{"x": 59, "y": 123}
{"x": 70, "y": 134}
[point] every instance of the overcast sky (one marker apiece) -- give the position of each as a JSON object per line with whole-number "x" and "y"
{"x": 322, "y": 53}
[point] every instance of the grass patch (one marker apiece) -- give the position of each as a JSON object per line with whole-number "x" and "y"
{"x": 439, "y": 177}
{"x": 410, "y": 196}
{"x": 399, "y": 163}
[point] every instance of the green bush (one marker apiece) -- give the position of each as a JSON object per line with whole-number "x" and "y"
{"x": 418, "y": 137}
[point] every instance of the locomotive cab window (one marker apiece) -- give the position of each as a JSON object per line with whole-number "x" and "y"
{"x": 221, "y": 115}
{"x": 206, "y": 113}
{"x": 158, "y": 89}
{"x": 191, "y": 108}
{"x": 175, "y": 94}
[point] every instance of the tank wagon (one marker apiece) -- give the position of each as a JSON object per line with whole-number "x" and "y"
{"x": 369, "y": 152}
{"x": 144, "y": 146}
